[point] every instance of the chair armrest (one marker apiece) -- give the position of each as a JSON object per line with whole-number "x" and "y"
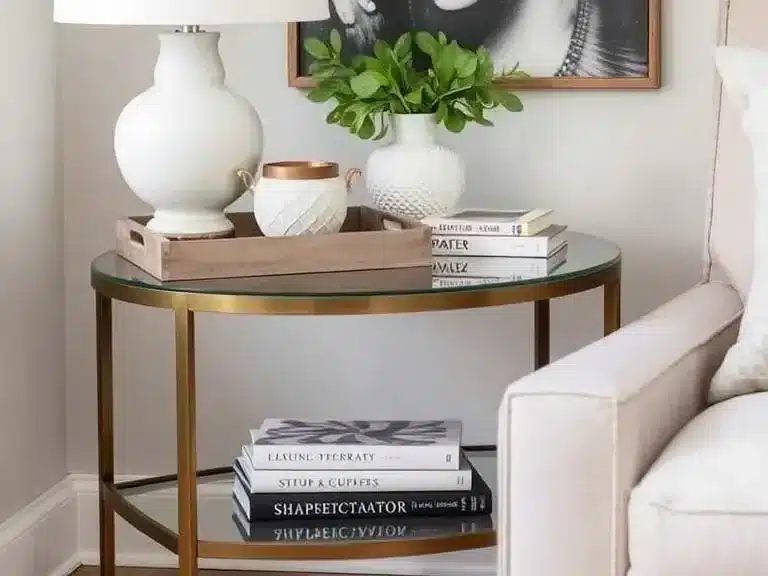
{"x": 576, "y": 436}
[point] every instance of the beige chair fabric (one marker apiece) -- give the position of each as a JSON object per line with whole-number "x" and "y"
{"x": 733, "y": 205}
{"x": 578, "y": 436}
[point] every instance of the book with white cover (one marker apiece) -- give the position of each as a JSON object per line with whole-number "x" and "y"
{"x": 472, "y": 222}
{"x": 541, "y": 245}
{"x": 287, "y": 481}
{"x": 496, "y": 267}
{"x": 294, "y": 444}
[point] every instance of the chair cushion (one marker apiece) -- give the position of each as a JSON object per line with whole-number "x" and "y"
{"x": 702, "y": 508}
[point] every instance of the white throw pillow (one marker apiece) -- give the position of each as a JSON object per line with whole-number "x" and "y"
{"x": 745, "y": 369}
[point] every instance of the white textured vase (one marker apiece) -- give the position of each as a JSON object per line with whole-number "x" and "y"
{"x": 414, "y": 176}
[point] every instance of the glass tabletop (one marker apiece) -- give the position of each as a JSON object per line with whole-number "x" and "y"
{"x": 583, "y": 255}
{"x": 221, "y": 520}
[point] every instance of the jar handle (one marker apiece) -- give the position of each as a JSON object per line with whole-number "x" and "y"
{"x": 248, "y": 179}
{"x": 351, "y": 178}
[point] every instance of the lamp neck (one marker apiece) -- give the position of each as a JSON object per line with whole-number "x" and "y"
{"x": 190, "y": 29}
{"x": 189, "y": 59}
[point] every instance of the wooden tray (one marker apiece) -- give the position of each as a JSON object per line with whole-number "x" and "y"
{"x": 369, "y": 240}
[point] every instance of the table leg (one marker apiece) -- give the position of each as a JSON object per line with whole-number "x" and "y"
{"x": 540, "y": 334}
{"x": 612, "y": 305}
{"x": 105, "y": 400}
{"x": 186, "y": 441}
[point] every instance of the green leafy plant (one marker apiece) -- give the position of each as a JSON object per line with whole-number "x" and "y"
{"x": 456, "y": 84}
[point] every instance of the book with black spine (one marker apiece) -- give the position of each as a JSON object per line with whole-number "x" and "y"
{"x": 356, "y": 529}
{"x": 335, "y": 505}
{"x": 295, "y": 444}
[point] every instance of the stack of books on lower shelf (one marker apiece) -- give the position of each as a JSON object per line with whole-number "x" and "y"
{"x": 474, "y": 247}
{"x": 376, "y": 473}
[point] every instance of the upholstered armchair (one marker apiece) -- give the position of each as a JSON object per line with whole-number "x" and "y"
{"x": 619, "y": 459}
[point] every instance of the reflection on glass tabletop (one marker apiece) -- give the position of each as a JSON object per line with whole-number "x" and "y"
{"x": 586, "y": 255}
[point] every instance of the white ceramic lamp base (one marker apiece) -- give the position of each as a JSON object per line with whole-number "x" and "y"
{"x": 180, "y": 144}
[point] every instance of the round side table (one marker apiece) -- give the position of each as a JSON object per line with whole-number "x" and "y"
{"x": 591, "y": 262}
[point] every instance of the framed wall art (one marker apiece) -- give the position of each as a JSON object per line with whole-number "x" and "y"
{"x": 561, "y": 44}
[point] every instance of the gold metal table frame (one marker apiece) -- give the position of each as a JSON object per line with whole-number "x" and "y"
{"x": 185, "y": 543}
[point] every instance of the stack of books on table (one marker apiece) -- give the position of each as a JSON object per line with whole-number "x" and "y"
{"x": 473, "y": 247}
{"x": 300, "y": 470}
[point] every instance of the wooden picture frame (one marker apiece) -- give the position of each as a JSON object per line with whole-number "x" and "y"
{"x": 650, "y": 81}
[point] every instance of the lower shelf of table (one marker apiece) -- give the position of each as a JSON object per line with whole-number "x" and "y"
{"x": 151, "y": 506}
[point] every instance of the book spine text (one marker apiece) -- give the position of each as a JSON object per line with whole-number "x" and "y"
{"x": 290, "y": 481}
{"x": 362, "y": 505}
{"x": 353, "y": 457}
{"x": 516, "y": 247}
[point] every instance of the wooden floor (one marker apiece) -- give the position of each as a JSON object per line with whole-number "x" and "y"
{"x": 94, "y": 571}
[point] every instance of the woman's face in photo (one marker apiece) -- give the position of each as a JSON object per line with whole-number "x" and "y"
{"x": 469, "y": 22}
{"x": 545, "y": 37}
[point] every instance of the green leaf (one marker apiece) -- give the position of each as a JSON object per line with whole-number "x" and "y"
{"x": 334, "y": 117}
{"x": 508, "y": 100}
{"x": 484, "y": 66}
{"x": 367, "y": 128}
{"x": 325, "y": 72}
{"x": 475, "y": 112}
{"x": 339, "y": 86}
{"x": 320, "y": 94}
{"x": 415, "y": 96}
{"x": 367, "y": 63}
{"x": 466, "y": 64}
{"x": 483, "y": 121}
{"x": 396, "y": 106}
{"x": 382, "y": 51}
{"x": 382, "y": 132}
{"x": 317, "y": 66}
{"x": 442, "y": 38}
{"x": 317, "y": 49}
{"x": 429, "y": 92}
{"x": 367, "y": 84}
{"x": 446, "y": 66}
{"x": 336, "y": 43}
{"x": 455, "y": 121}
{"x": 427, "y": 44}
{"x": 442, "y": 112}
{"x": 404, "y": 45}
{"x": 348, "y": 118}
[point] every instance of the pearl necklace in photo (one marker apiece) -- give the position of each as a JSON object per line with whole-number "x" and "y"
{"x": 573, "y": 57}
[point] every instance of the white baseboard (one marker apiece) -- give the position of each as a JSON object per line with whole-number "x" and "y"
{"x": 40, "y": 540}
{"x": 60, "y": 531}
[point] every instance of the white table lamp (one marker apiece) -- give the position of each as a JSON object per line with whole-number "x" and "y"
{"x": 180, "y": 144}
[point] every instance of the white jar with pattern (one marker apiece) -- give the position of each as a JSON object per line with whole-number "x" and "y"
{"x": 299, "y": 198}
{"x": 414, "y": 176}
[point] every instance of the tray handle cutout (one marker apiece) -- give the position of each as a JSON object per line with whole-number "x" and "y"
{"x": 389, "y": 224}
{"x": 136, "y": 238}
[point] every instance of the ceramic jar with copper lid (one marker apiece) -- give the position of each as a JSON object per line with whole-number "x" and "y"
{"x": 297, "y": 198}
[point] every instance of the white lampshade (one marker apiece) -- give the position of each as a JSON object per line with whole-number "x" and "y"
{"x": 188, "y": 12}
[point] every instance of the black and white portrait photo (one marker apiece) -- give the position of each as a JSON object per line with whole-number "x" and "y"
{"x": 549, "y": 39}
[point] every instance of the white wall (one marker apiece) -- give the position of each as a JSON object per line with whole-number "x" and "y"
{"x": 32, "y": 446}
{"x": 634, "y": 167}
